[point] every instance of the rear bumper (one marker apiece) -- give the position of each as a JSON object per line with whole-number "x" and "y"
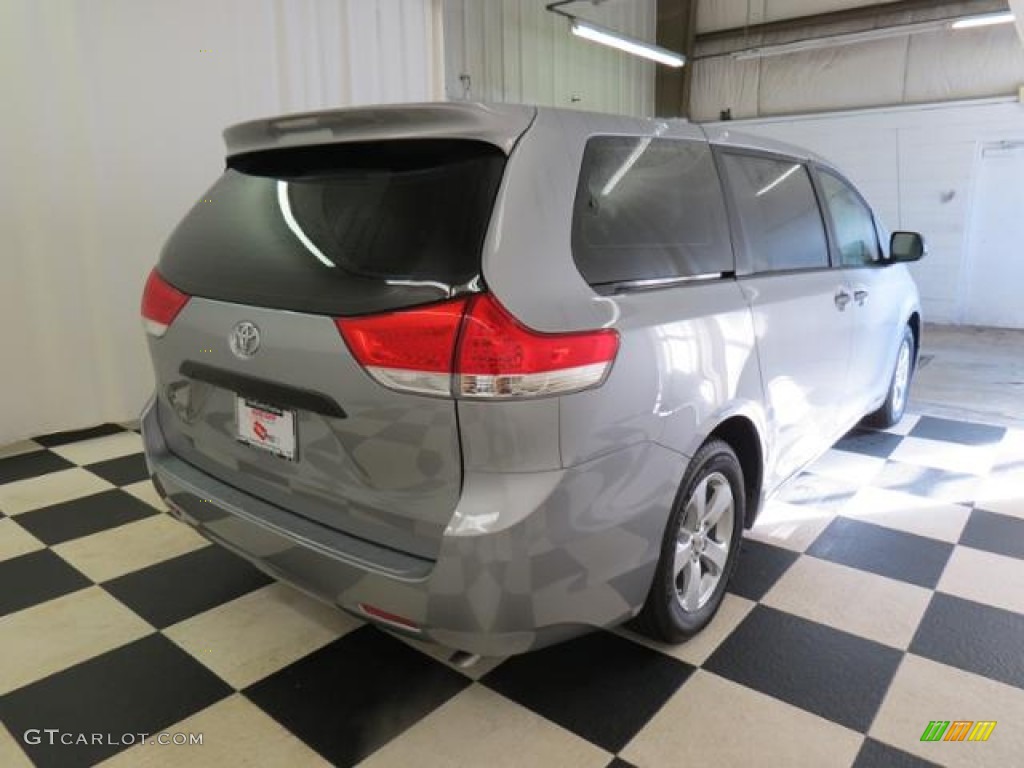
{"x": 529, "y": 558}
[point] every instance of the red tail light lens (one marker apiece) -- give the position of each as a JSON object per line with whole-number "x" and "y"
{"x": 411, "y": 349}
{"x": 499, "y": 357}
{"x": 473, "y": 348}
{"x": 161, "y": 303}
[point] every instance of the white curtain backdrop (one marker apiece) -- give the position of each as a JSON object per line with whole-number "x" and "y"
{"x": 110, "y": 129}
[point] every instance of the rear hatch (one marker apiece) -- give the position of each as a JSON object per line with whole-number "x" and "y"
{"x": 256, "y": 385}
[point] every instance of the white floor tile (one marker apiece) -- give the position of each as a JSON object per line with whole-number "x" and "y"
{"x": 130, "y": 547}
{"x": 16, "y": 541}
{"x": 46, "y": 490}
{"x": 952, "y": 457}
{"x": 909, "y": 513}
{"x": 235, "y": 733}
{"x": 712, "y": 721}
{"x": 924, "y": 690}
{"x": 46, "y": 638}
{"x": 101, "y": 448}
{"x": 257, "y": 634}
{"x": 481, "y": 728}
{"x": 871, "y": 606}
{"x": 985, "y": 578}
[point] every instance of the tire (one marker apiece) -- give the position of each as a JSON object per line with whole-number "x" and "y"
{"x": 680, "y": 604}
{"x": 896, "y": 398}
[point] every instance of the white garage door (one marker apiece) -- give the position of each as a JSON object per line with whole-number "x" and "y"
{"x": 995, "y": 263}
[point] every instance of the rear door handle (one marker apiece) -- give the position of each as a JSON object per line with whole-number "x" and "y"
{"x": 860, "y": 297}
{"x": 842, "y": 298}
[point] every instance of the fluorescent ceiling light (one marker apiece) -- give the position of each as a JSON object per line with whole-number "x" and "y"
{"x": 834, "y": 41}
{"x": 984, "y": 21}
{"x": 867, "y": 36}
{"x": 630, "y": 161}
{"x": 785, "y": 175}
{"x": 613, "y": 39}
{"x": 289, "y": 218}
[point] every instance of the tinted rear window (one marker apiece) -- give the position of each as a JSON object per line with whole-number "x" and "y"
{"x": 649, "y": 209}
{"x": 339, "y": 229}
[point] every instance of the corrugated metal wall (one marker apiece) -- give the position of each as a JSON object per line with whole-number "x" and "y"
{"x": 112, "y": 120}
{"x": 940, "y": 65}
{"x": 516, "y": 51}
{"x": 729, "y": 14}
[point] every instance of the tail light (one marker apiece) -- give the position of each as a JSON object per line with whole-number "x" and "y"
{"x": 410, "y": 350}
{"x": 473, "y": 348}
{"x": 499, "y": 357}
{"x": 161, "y": 303}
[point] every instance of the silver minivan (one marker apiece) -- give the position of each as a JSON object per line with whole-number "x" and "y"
{"x": 494, "y": 375}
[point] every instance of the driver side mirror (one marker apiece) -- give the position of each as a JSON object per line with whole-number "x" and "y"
{"x": 905, "y": 247}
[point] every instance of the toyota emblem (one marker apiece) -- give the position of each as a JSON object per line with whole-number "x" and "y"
{"x": 244, "y": 339}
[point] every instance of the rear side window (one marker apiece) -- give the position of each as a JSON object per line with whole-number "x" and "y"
{"x": 648, "y": 209}
{"x": 852, "y": 222}
{"x": 778, "y": 213}
{"x": 341, "y": 229}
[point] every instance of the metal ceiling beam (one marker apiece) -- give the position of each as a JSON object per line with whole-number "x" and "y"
{"x": 877, "y": 15}
{"x": 676, "y": 30}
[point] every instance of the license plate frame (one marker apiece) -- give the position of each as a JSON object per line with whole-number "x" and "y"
{"x": 266, "y": 427}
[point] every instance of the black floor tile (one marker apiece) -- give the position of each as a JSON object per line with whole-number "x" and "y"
{"x": 870, "y": 443}
{"x": 895, "y": 554}
{"x": 85, "y": 515}
{"x": 122, "y": 471}
{"x": 937, "y": 484}
{"x": 618, "y": 762}
{"x": 759, "y": 566}
{"x": 32, "y": 464}
{"x": 351, "y": 697}
{"x": 601, "y": 686}
{"x": 833, "y": 674}
{"x": 875, "y": 754}
{"x": 76, "y": 435}
{"x": 35, "y": 578}
{"x": 1000, "y": 534}
{"x": 977, "y": 638}
{"x": 165, "y": 593}
{"x": 818, "y": 491}
{"x": 962, "y": 432}
{"x": 142, "y": 687}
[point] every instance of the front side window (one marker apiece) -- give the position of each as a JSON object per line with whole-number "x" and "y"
{"x": 649, "y": 209}
{"x": 852, "y": 223}
{"x": 778, "y": 213}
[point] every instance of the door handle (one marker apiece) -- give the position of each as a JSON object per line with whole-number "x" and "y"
{"x": 860, "y": 297}
{"x": 842, "y": 298}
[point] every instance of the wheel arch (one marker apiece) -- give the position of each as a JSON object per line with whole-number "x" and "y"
{"x": 741, "y": 434}
{"x": 914, "y": 321}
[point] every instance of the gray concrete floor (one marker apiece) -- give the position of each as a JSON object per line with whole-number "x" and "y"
{"x": 971, "y": 373}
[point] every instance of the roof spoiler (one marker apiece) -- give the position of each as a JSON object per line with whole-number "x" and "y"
{"x": 497, "y": 124}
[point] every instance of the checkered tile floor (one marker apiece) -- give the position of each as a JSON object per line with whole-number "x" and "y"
{"x": 884, "y": 589}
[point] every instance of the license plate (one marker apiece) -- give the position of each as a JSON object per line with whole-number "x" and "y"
{"x": 266, "y": 427}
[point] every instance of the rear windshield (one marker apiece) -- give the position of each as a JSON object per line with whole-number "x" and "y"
{"x": 341, "y": 229}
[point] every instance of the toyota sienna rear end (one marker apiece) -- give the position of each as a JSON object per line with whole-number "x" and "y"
{"x": 401, "y": 366}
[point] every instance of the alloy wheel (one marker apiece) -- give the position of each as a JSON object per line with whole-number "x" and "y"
{"x": 702, "y": 545}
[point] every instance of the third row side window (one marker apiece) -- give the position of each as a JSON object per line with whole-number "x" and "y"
{"x": 649, "y": 209}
